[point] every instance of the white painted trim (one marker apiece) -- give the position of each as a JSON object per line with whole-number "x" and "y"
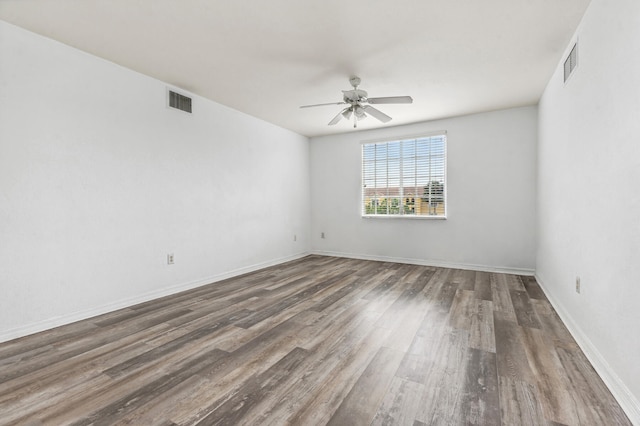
{"x": 110, "y": 307}
{"x": 620, "y": 391}
{"x": 403, "y": 216}
{"x": 404, "y": 137}
{"x": 429, "y": 262}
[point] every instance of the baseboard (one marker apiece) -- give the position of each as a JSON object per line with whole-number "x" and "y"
{"x": 620, "y": 391}
{"x": 120, "y": 304}
{"x": 427, "y": 262}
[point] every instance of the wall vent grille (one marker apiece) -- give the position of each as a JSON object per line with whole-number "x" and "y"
{"x": 178, "y": 101}
{"x": 571, "y": 62}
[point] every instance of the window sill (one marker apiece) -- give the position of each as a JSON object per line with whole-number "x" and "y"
{"x": 403, "y": 216}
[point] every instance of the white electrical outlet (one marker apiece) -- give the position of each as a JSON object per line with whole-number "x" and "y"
{"x": 322, "y": 235}
{"x": 578, "y": 285}
{"x": 170, "y": 259}
{"x": 295, "y": 237}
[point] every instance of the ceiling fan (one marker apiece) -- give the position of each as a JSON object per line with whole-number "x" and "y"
{"x": 359, "y": 104}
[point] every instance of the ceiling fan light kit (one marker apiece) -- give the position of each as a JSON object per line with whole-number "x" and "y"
{"x": 360, "y": 104}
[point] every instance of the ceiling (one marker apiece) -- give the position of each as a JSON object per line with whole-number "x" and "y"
{"x": 266, "y": 58}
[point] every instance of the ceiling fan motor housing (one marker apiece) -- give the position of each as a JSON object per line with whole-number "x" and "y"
{"x": 354, "y": 96}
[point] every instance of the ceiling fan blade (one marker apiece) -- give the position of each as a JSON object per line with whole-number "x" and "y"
{"x": 391, "y": 100}
{"x": 376, "y": 113}
{"x": 330, "y": 103}
{"x": 337, "y": 117}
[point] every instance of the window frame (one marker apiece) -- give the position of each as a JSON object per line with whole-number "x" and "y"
{"x": 402, "y": 215}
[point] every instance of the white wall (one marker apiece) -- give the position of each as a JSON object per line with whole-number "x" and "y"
{"x": 589, "y": 194}
{"x": 491, "y": 196}
{"x": 99, "y": 180}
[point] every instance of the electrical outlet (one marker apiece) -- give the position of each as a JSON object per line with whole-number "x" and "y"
{"x": 322, "y": 235}
{"x": 295, "y": 237}
{"x": 170, "y": 259}
{"x": 578, "y": 285}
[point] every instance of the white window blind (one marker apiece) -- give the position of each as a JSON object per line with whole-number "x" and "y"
{"x": 405, "y": 177}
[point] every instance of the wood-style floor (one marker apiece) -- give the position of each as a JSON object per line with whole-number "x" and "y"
{"x": 315, "y": 341}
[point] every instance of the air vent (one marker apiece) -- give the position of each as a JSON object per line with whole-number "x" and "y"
{"x": 571, "y": 62}
{"x": 178, "y": 101}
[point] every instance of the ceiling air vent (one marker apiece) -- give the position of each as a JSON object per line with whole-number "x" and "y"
{"x": 178, "y": 101}
{"x": 571, "y": 62}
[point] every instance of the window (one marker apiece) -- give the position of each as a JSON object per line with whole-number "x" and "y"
{"x": 405, "y": 177}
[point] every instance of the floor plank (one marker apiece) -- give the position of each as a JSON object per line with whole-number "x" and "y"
{"x": 501, "y": 296}
{"x": 319, "y": 340}
{"x": 533, "y": 288}
{"x": 557, "y": 400}
{"x": 401, "y": 403}
{"x": 482, "y": 287}
{"x": 525, "y": 314}
{"x": 482, "y": 331}
{"x": 481, "y": 400}
{"x": 511, "y": 355}
{"x": 361, "y": 403}
{"x": 519, "y": 403}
